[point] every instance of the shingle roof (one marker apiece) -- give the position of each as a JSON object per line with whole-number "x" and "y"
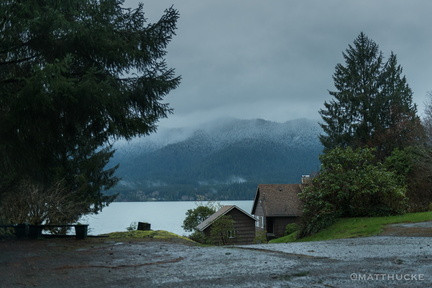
{"x": 222, "y": 211}
{"x": 278, "y": 199}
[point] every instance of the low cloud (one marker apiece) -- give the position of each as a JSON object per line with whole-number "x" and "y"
{"x": 275, "y": 60}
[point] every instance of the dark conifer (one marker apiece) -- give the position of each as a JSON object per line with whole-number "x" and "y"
{"x": 372, "y": 104}
{"x": 75, "y": 75}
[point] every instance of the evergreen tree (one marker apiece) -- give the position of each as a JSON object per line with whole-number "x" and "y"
{"x": 372, "y": 105}
{"x": 74, "y": 76}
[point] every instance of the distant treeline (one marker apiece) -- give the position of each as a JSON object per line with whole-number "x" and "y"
{"x": 241, "y": 191}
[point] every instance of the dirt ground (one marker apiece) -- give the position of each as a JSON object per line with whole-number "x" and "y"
{"x": 102, "y": 262}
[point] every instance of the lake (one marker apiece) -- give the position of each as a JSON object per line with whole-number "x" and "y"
{"x": 167, "y": 216}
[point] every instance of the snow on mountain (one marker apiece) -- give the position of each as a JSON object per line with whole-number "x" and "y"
{"x": 229, "y": 156}
{"x": 225, "y": 132}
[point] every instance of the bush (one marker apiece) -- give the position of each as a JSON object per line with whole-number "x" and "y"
{"x": 132, "y": 227}
{"x": 260, "y": 237}
{"x": 199, "y": 237}
{"x": 314, "y": 223}
{"x": 350, "y": 184}
{"x": 35, "y": 204}
{"x": 291, "y": 228}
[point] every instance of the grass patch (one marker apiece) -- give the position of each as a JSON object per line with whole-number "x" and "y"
{"x": 285, "y": 239}
{"x": 357, "y": 227}
{"x": 137, "y": 234}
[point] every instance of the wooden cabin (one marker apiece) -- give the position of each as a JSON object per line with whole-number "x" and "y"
{"x": 244, "y": 225}
{"x": 275, "y": 206}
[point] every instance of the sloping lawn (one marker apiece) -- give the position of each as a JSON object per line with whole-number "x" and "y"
{"x": 148, "y": 235}
{"x": 357, "y": 227}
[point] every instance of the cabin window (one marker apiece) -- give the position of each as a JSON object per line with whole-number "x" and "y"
{"x": 232, "y": 234}
{"x": 260, "y": 222}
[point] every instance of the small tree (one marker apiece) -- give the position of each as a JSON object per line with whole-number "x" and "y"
{"x": 195, "y": 216}
{"x": 222, "y": 230}
{"x": 350, "y": 184}
{"x": 35, "y": 204}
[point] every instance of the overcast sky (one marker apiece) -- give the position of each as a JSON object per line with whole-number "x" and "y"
{"x": 275, "y": 59}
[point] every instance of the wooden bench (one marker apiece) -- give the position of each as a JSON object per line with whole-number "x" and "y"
{"x": 35, "y": 231}
{"x": 20, "y": 231}
{"x": 80, "y": 229}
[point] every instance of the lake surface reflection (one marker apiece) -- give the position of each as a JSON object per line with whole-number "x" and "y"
{"x": 167, "y": 216}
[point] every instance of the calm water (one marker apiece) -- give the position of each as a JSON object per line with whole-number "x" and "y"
{"x": 167, "y": 216}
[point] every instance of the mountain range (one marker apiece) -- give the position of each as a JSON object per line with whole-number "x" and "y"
{"x": 221, "y": 160}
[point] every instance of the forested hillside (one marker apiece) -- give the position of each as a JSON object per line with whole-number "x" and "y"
{"x": 223, "y": 160}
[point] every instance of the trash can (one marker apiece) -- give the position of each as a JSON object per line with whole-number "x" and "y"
{"x": 81, "y": 231}
{"x": 144, "y": 226}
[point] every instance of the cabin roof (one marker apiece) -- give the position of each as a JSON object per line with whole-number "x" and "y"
{"x": 278, "y": 199}
{"x": 221, "y": 212}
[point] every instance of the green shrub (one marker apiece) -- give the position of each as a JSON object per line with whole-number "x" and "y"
{"x": 220, "y": 231}
{"x": 350, "y": 184}
{"x": 291, "y": 228}
{"x": 312, "y": 224}
{"x": 132, "y": 227}
{"x": 198, "y": 237}
{"x": 260, "y": 237}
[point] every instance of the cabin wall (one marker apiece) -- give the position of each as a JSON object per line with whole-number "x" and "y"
{"x": 244, "y": 227}
{"x": 259, "y": 209}
{"x": 280, "y": 223}
{"x": 259, "y": 215}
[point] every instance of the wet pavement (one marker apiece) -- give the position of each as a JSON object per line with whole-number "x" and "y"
{"x": 381, "y": 261}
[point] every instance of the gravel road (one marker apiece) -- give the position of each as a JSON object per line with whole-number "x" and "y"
{"x": 357, "y": 248}
{"x": 380, "y": 261}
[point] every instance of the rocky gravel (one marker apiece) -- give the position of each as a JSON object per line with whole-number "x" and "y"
{"x": 357, "y": 248}
{"x": 380, "y": 261}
